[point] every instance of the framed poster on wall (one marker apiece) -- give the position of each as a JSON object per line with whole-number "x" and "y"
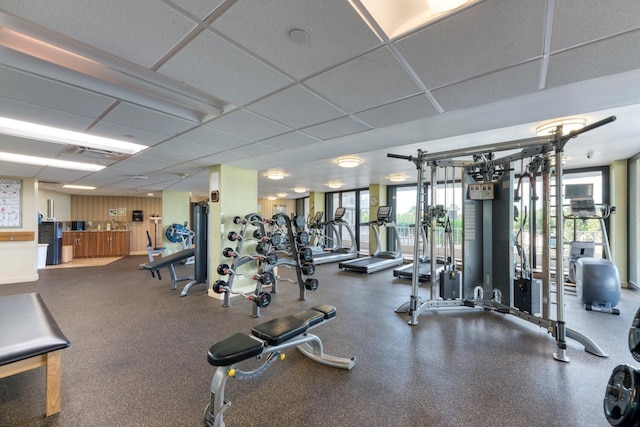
{"x": 10, "y": 203}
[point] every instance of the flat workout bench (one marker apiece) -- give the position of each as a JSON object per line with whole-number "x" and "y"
{"x": 30, "y": 338}
{"x": 267, "y": 339}
{"x": 169, "y": 261}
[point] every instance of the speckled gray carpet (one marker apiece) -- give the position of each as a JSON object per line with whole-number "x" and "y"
{"x": 138, "y": 358}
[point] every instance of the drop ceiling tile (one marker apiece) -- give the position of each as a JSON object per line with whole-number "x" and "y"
{"x": 403, "y": 111}
{"x": 212, "y": 64}
{"x": 61, "y": 175}
{"x": 187, "y": 148}
{"x": 290, "y": 140}
{"x": 212, "y": 138}
{"x": 18, "y": 170}
{"x": 335, "y": 32}
{"x": 248, "y": 125}
{"x": 43, "y": 116}
{"x": 200, "y": 9}
{"x": 125, "y": 133}
{"x": 368, "y": 81}
{"x": 32, "y": 90}
{"x": 335, "y": 128}
{"x": 252, "y": 150}
{"x": 580, "y": 21}
{"x": 486, "y": 37}
{"x": 218, "y": 159}
{"x": 136, "y": 117}
{"x": 140, "y": 32}
{"x": 29, "y": 147}
{"x": 171, "y": 156}
{"x": 296, "y": 108}
{"x": 489, "y": 88}
{"x": 603, "y": 58}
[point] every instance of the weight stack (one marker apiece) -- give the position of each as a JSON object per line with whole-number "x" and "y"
{"x": 527, "y": 295}
{"x": 450, "y": 284}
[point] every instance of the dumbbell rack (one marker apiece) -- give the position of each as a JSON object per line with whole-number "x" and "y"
{"x": 261, "y": 298}
{"x": 299, "y": 252}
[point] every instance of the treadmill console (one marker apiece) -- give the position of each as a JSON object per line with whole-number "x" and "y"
{"x": 583, "y": 207}
{"x": 384, "y": 212}
{"x": 318, "y": 217}
{"x": 339, "y": 214}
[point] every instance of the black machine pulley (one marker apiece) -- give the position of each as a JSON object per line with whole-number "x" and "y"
{"x": 621, "y": 397}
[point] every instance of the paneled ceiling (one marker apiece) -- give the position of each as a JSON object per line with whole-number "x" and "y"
{"x": 227, "y": 82}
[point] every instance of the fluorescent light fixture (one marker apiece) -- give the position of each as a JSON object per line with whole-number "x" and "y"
{"x": 281, "y": 194}
{"x": 299, "y": 190}
{"x": 276, "y": 175}
{"x": 79, "y": 187}
{"x": 348, "y": 162}
{"x": 75, "y": 62}
{"x": 397, "y": 178}
{"x": 399, "y": 17}
{"x": 54, "y": 163}
{"x": 61, "y": 136}
{"x": 150, "y": 194}
{"x": 334, "y": 184}
{"x": 568, "y": 125}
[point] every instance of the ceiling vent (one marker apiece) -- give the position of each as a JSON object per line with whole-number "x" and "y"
{"x": 95, "y": 153}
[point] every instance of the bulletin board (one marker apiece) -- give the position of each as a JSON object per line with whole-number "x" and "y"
{"x": 10, "y": 203}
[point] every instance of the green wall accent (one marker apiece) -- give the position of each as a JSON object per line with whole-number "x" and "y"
{"x": 238, "y": 196}
{"x": 379, "y": 192}
{"x": 317, "y": 203}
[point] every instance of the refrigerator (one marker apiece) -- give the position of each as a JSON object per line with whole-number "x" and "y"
{"x": 51, "y": 233}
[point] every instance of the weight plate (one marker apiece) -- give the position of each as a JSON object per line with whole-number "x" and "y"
{"x": 311, "y": 284}
{"x": 267, "y": 278}
{"x": 272, "y": 258}
{"x": 263, "y": 299}
{"x": 306, "y": 254}
{"x": 219, "y": 287}
{"x": 232, "y": 236}
{"x": 276, "y": 239}
{"x": 634, "y": 336}
{"x": 279, "y": 219}
{"x": 621, "y": 397}
{"x": 223, "y": 269}
{"x": 257, "y": 234}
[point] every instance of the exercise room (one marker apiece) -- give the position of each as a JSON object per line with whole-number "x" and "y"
{"x": 297, "y": 213}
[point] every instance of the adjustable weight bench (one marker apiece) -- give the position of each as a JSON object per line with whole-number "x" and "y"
{"x": 267, "y": 340}
{"x": 30, "y": 338}
{"x": 169, "y": 261}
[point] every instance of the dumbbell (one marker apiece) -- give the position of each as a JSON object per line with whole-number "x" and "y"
{"x": 311, "y": 284}
{"x": 262, "y": 299}
{"x": 308, "y": 269}
{"x": 303, "y": 238}
{"x": 271, "y": 258}
{"x": 305, "y": 254}
{"x": 299, "y": 221}
{"x": 265, "y": 278}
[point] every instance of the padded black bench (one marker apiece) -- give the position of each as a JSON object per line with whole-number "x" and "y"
{"x": 30, "y": 338}
{"x": 267, "y": 341}
{"x": 169, "y": 261}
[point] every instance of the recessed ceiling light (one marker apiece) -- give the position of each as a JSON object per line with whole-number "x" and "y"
{"x": 397, "y": 178}
{"x": 271, "y": 198}
{"x": 348, "y": 162}
{"x": 281, "y": 194}
{"x": 275, "y": 175}
{"x": 334, "y": 184}
{"x": 300, "y": 190}
{"x": 568, "y": 125}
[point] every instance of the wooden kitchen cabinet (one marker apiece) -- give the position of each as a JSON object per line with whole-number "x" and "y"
{"x": 98, "y": 244}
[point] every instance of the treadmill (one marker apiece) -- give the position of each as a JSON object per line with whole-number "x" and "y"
{"x": 379, "y": 260}
{"x": 424, "y": 269}
{"x": 338, "y": 252}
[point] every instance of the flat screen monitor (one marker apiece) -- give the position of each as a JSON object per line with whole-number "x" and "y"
{"x": 384, "y": 212}
{"x": 339, "y": 213}
{"x": 572, "y": 191}
{"x": 318, "y": 216}
{"x": 582, "y": 249}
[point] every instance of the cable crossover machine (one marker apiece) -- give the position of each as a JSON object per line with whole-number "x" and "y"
{"x": 488, "y": 276}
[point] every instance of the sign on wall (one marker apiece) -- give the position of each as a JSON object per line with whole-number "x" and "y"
{"x": 10, "y": 203}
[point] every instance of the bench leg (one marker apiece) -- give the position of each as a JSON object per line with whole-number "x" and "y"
{"x": 53, "y": 383}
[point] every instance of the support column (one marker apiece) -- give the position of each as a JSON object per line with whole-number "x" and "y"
{"x": 317, "y": 203}
{"x": 618, "y": 222}
{"x": 234, "y": 192}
